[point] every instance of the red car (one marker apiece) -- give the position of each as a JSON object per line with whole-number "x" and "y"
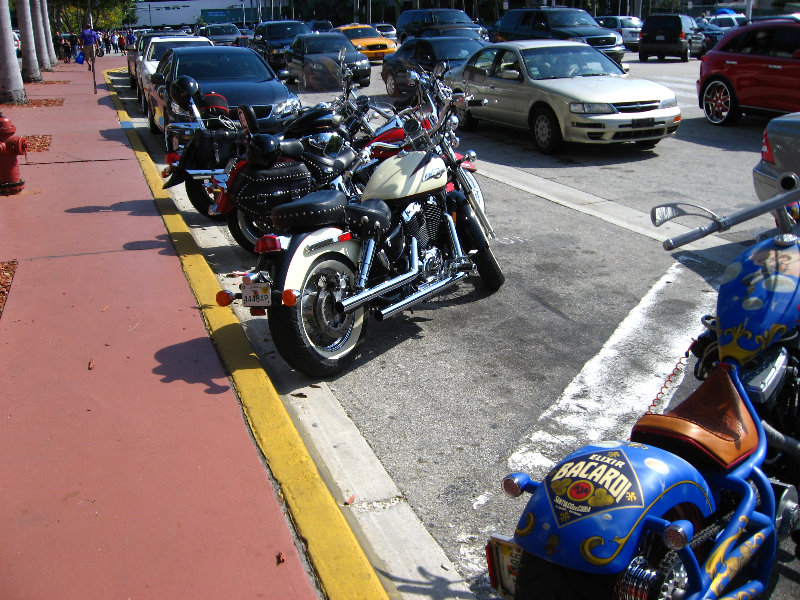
{"x": 755, "y": 68}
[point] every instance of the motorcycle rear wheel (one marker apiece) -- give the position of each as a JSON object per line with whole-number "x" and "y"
{"x": 538, "y": 579}
{"x": 199, "y": 198}
{"x": 311, "y": 336}
{"x": 244, "y": 229}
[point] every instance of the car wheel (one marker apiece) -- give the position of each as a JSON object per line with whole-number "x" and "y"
{"x": 643, "y": 57}
{"x": 138, "y": 92}
{"x": 391, "y": 86}
{"x": 546, "y": 131}
{"x": 685, "y": 54}
{"x": 660, "y": 57}
{"x": 719, "y": 103}
{"x": 466, "y": 121}
{"x": 143, "y": 104}
{"x": 304, "y": 79}
{"x": 151, "y": 122}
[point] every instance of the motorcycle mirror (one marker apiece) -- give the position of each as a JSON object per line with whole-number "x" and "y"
{"x": 666, "y": 212}
{"x": 439, "y": 69}
{"x": 413, "y": 76}
{"x": 411, "y": 126}
{"x": 342, "y": 53}
{"x": 183, "y": 90}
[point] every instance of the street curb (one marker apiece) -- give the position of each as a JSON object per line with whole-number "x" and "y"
{"x": 342, "y": 567}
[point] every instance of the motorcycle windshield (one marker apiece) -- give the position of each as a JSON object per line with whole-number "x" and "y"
{"x": 758, "y": 300}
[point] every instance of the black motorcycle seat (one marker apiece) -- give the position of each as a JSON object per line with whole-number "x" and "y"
{"x": 317, "y": 209}
{"x": 325, "y": 168}
{"x": 370, "y": 217}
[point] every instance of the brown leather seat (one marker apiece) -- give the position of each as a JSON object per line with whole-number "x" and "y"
{"x": 712, "y": 423}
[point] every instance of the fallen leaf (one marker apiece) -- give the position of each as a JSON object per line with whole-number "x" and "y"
{"x": 350, "y": 500}
{"x": 280, "y": 558}
{"x": 91, "y": 364}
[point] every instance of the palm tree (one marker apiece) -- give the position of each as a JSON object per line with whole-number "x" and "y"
{"x": 30, "y": 63}
{"x": 11, "y": 88}
{"x": 38, "y": 36}
{"x": 48, "y": 34}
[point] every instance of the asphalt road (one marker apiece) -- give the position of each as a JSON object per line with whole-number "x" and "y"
{"x": 448, "y": 398}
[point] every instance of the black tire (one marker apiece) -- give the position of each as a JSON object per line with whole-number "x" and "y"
{"x": 364, "y": 82}
{"x": 490, "y": 272}
{"x": 245, "y": 230}
{"x": 199, "y": 198}
{"x": 143, "y": 103}
{"x": 643, "y": 57}
{"x": 391, "y": 85}
{"x": 151, "y": 122}
{"x": 467, "y": 122}
{"x": 311, "y": 336}
{"x": 685, "y": 54}
{"x": 661, "y": 58}
{"x": 538, "y": 579}
{"x": 719, "y": 103}
{"x": 546, "y": 131}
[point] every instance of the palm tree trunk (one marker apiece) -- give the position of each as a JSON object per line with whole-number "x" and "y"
{"x": 48, "y": 34}
{"x": 30, "y": 63}
{"x": 11, "y": 87}
{"x": 38, "y": 36}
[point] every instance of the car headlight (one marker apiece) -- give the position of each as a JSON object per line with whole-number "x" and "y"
{"x": 276, "y": 51}
{"x": 591, "y": 108}
{"x": 177, "y": 110}
{"x": 617, "y": 39}
{"x": 289, "y": 106}
{"x": 577, "y": 38}
{"x": 668, "y": 103}
{"x": 362, "y": 63}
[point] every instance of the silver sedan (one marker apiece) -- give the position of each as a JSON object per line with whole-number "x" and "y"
{"x": 780, "y": 156}
{"x": 564, "y": 91}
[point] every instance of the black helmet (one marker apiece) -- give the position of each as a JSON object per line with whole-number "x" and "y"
{"x": 182, "y": 90}
{"x": 263, "y": 149}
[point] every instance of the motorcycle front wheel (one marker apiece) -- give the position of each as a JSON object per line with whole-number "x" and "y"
{"x": 488, "y": 268}
{"x": 200, "y": 199}
{"x": 312, "y": 336}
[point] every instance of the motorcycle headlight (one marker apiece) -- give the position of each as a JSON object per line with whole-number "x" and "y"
{"x": 177, "y": 110}
{"x": 289, "y": 106}
{"x": 590, "y": 108}
{"x": 668, "y": 103}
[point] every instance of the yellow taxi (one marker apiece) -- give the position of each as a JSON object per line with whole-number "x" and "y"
{"x": 368, "y": 41}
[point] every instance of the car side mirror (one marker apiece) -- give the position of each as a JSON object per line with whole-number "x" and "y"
{"x": 157, "y": 79}
{"x": 510, "y": 74}
{"x": 283, "y": 75}
{"x": 258, "y": 37}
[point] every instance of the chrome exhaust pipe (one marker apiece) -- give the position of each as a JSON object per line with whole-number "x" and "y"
{"x": 204, "y": 173}
{"x": 419, "y": 296}
{"x": 353, "y": 302}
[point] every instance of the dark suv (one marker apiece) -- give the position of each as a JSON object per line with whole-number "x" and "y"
{"x": 411, "y": 23}
{"x": 561, "y": 24}
{"x": 272, "y": 38}
{"x": 670, "y": 35}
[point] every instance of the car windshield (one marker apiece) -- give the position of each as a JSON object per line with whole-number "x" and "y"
{"x": 157, "y": 49}
{"x": 567, "y": 62}
{"x": 663, "y": 23}
{"x": 571, "y": 18}
{"x": 239, "y": 66}
{"x": 455, "y": 32}
{"x": 452, "y": 16}
{"x": 631, "y": 22}
{"x": 223, "y": 30}
{"x": 361, "y": 32}
{"x": 456, "y": 49}
{"x": 287, "y": 30}
{"x": 318, "y": 45}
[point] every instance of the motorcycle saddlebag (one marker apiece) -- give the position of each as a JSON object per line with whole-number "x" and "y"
{"x": 214, "y": 147}
{"x": 257, "y": 190}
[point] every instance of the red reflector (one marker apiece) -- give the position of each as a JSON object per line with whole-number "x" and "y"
{"x": 491, "y": 565}
{"x": 683, "y": 35}
{"x": 257, "y": 311}
{"x": 224, "y": 297}
{"x": 345, "y": 236}
{"x": 172, "y": 158}
{"x": 267, "y": 243}
{"x": 288, "y": 298}
{"x": 766, "y": 149}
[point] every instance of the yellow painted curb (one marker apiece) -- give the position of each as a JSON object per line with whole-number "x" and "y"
{"x": 340, "y": 563}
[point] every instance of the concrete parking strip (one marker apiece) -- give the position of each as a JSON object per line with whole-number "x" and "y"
{"x": 341, "y": 564}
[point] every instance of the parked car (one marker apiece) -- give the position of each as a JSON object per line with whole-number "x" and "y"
{"x": 711, "y": 33}
{"x": 451, "y": 31}
{"x": 387, "y": 30}
{"x": 153, "y": 53}
{"x": 670, "y": 35}
{"x": 222, "y": 34}
{"x": 134, "y": 51}
{"x": 273, "y": 37}
{"x": 239, "y": 74}
{"x": 245, "y": 35}
{"x": 780, "y": 153}
{"x": 366, "y": 39}
{"x": 560, "y": 24}
{"x": 413, "y": 22}
{"x": 726, "y": 22}
{"x": 628, "y": 27}
{"x": 320, "y": 26}
{"x": 753, "y": 69}
{"x": 312, "y": 60}
{"x": 422, "y": 54}
{"x": 564, "y": 91}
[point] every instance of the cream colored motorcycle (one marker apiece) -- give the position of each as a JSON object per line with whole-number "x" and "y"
{"x": 338, "y": 260}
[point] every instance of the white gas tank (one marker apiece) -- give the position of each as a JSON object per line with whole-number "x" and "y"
{"x": 411, "y": 174}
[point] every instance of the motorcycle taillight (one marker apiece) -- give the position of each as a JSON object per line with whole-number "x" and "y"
{"x": 267, "y": 243}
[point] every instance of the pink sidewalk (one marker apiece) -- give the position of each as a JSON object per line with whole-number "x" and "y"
{"x": 126, "y": 465}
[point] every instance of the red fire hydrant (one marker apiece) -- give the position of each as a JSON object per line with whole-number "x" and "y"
{"x": 10, "y": 149}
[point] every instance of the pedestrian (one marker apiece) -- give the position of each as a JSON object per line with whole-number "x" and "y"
{"x": 131, "y": 40}
{"x": 121, "y": 42}
{"x": 115, "y": 42}
{"x": 107, "y": 41}
{"x": 89, "y": 39}
{"x": 73, "y": 44}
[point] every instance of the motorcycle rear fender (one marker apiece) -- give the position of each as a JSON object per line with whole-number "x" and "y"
{"x": 591, "y": 511}
{"x": 469, "y": 230}
{"x": 179, "y": 174}
{"x": 306, "y": 248}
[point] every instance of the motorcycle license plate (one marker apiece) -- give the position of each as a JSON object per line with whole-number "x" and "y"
{"x": 256, "y": 294}
{"x": 503, "y": 557}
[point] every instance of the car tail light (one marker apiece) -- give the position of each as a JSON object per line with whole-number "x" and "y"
{"x": 683, "y": 35}
{"x": 766, "y": 149}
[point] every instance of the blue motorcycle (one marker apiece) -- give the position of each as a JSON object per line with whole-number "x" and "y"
{"x": 694, "y": 504}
